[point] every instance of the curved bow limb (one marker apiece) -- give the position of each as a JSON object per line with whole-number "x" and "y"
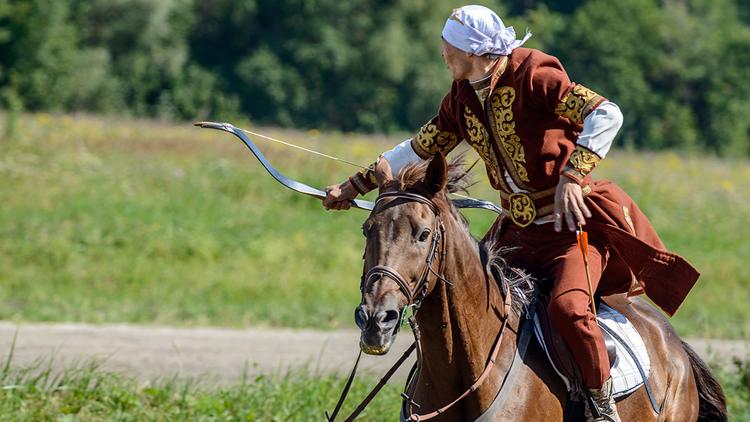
{"x": 317, "y": 193}
{"x": 284, "y": 180}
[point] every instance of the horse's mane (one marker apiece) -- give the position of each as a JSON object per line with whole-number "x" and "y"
{"x": 521, "y": 284}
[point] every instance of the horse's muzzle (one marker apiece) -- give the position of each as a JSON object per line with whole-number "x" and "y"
{"x": 378, "y": 330}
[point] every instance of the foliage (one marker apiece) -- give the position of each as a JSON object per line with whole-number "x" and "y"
{"x": 676, "y": 68}
{"x": 109, "y": 220}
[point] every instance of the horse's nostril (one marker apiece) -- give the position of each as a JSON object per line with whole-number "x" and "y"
{"x": 387, "y": 318}
{"x": 360, "y": 318}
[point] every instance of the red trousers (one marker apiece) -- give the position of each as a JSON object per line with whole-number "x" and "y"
{"x": 556, "y": 257}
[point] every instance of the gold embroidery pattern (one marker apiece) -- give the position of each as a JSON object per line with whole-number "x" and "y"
{"x": 370, "y": 174}
{"x": 579, "y": 102}
{"x": 583, "y": 160}
{"x": 522, "y": 209}
{"x": 479, "y": 140}
{"x": 505, "y": 129}
{"x": 430, "y": 140}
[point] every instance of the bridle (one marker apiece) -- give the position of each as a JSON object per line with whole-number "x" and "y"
{"x": 415, "y": 297}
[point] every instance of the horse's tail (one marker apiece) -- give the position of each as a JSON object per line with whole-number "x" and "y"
{"x": 712, "y": 403}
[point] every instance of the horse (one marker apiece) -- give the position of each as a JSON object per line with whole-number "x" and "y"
{"x": 469, "y": 311}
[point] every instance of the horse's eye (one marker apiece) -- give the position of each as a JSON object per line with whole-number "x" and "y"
{"x": 424, "y": 235}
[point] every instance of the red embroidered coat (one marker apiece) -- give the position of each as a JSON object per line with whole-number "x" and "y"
{"x": 527, "y": 128}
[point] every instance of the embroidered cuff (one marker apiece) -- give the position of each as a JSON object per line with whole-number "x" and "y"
{"x": 578, "y": 103}
{"x": 583, "y": 161}
{"x": 364, "y": 181}
{"x": 573, "y": 175}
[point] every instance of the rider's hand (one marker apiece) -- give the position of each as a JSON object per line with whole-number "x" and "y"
{"x": 569, "y": 204}
{"x": 339, "y": 197}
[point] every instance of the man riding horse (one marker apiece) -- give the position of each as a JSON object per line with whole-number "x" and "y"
{"x": 540, "y": 136}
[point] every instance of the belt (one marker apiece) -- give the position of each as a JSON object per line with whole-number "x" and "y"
{"x": 525, "y": 207}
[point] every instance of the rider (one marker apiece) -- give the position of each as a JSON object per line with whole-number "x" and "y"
{"x": 540, "y": 136}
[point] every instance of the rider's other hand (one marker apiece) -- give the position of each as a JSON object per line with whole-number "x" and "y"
{"x": 569, "y": 204}
{"x": 339, "y": 197}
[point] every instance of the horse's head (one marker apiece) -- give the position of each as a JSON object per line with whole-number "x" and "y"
{"x": 402, "y": 256}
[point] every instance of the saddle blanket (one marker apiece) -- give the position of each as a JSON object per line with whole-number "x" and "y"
{"x": 625, "y": 375}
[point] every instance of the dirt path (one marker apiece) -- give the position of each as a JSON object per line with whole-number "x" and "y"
{"x": 217, "y": 355}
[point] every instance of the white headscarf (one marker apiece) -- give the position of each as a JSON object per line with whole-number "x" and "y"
{"x": 478, "y": 30}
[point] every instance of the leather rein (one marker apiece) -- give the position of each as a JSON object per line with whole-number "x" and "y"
{"x": 415, "y": 297}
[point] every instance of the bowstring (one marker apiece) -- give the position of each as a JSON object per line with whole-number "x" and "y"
{"x": 305, "y": 149}
{"x": 359, "y": 166}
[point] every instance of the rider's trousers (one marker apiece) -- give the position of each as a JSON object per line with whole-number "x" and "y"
{"x": 555, "y": 257}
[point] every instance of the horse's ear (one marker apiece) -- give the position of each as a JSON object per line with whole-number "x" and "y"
{"x": 437, "y": 174}
{"x": 383, "y": 172}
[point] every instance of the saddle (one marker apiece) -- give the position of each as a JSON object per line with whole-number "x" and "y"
{"x": 558, "y": 352}
{"x": 628, "y": 357}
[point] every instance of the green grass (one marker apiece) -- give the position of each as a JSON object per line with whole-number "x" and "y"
{"x": 108, "y": 220}
{"x": 736, "y": 385}
{"x": 86, "y": 393}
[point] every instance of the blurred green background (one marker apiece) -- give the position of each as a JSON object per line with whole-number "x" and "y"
{"x": 678, "y": 68}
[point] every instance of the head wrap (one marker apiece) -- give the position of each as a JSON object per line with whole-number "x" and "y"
{"x": 478, "y": 30}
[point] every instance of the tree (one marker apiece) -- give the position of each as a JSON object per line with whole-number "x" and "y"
{"x": 42, "y": 61}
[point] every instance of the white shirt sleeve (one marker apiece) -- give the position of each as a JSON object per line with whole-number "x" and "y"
{"x": 401, "y": 155}
{"x": 600, "y": 128}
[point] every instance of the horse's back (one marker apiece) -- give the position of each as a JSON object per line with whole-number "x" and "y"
{"x": 671, "y": 379}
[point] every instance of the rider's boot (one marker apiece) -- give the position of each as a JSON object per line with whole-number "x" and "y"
{"x": 605, "y": 403}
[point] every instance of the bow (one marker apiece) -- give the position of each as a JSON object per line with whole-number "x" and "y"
{"x": 317, "y": 193}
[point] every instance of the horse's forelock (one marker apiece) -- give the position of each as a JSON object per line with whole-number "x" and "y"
{"x": 459, "y": 179}
{"x": 411, "y": 177}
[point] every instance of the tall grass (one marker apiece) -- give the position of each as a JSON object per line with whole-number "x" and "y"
{"x": 108, "y": 220}
{"x": 84, "y": 392}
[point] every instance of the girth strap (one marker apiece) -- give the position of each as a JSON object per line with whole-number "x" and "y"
{"x": 506, "y": 388}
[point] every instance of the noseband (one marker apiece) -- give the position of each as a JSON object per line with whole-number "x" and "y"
{"x": 414, "y": 297}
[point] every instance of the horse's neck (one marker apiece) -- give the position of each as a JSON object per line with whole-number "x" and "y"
{"x": 458, "y": 323}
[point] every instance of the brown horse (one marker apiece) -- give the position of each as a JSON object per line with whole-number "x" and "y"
{"x": 419, "y": 252}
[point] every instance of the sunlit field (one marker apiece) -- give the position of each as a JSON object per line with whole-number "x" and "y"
{"x": 107, "y": 220}
{"x": 86, "y": 393}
